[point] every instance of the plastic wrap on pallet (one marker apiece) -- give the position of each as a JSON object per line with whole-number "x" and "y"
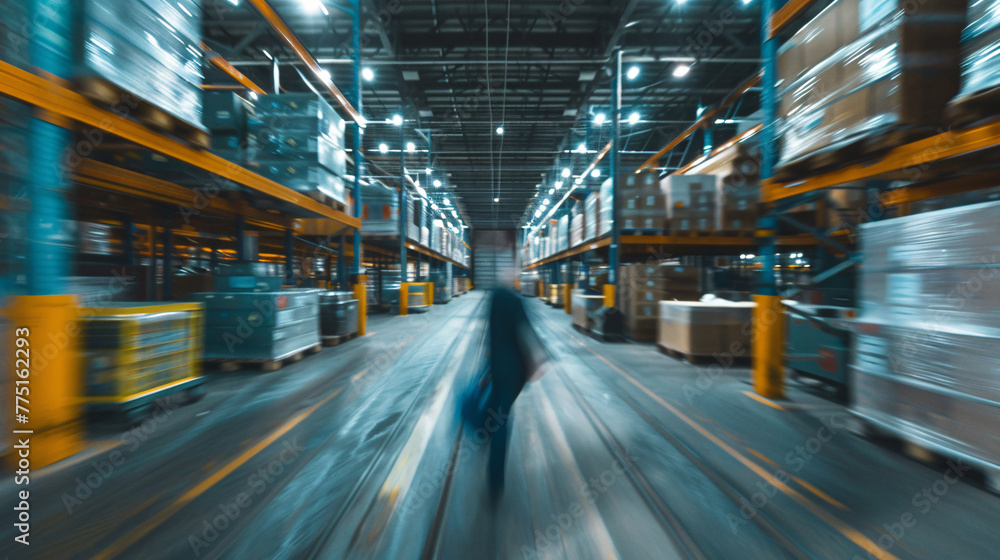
{"x": 381, "y": 210}
{"x": 259, "y": 325}
{"x": 149, "y": 48}
{"x": 297, "y": 127}
{"x": 925, "y": 361}
{"x": 898, "y": 71}
{"x": 981, "y": 47}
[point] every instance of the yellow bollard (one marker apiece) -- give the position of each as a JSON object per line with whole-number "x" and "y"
{"x": 568, "y": 298}
{"x": 609, "y": 295}
{"x": 404, "y": 298}
{"x": 361, "y": 294}
{"x": 769, "y": 347}
{"x": 43, "y": 343}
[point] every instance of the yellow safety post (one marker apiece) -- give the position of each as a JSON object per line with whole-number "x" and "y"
{"x": 768, "y": 347}
{"x": 609, "y": 295}
{"x": 361, "y": 294}
{"x": 43, "y": 349}
{"x": 429, "y": 294}
{"x": 404, "y": 298}
{"x": 568, "y": 298}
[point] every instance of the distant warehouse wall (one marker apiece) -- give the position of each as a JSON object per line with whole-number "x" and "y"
{"x": 492, "y": 253}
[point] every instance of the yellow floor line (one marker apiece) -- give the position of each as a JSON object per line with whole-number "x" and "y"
{"x": 763, "y": 400}
{"x": 851, "y": 533}
{"x": 143, "y": 529}
{"x": 819, "y": 493}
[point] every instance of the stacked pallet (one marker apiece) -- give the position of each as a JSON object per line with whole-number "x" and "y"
{"x": 863, "y": 77}
{"x": 980, "y": 91}
{"x": 736, "y": 168}
{"x": 380, "y": 209}
{"x": 297, "y": 139}
{"x": 643, "y": 202}
{"x": 226, "y": 116}
{"x": 696, "y": 330}
{"x": 691, "y": 202}
{"x": 925, "y": 353}
{"x": 644, "y": 286}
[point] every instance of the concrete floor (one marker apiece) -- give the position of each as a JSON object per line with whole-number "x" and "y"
{"x": 618, "y": 452}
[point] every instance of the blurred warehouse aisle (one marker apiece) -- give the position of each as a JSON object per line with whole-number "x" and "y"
{"x": 619, "y": 452}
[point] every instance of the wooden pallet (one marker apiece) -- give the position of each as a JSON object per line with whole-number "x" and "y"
{"x": 972, "y": 108}
{"x": 103, "y": 92}
{"x": 335, "y": 340}
{"x": 682, "y": 356}
{"x": 229, "y": 365}
{"x": 327, "y": 200}
{"x": 921, "y": 453}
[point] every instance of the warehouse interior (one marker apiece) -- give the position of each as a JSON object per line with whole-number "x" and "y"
{"x": 434, "y": 279}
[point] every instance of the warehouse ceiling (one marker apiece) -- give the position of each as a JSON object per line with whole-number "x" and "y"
{"x": 543, "y": 73}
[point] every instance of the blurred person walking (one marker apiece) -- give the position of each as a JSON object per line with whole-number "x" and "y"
{"x": 515, "y": 356}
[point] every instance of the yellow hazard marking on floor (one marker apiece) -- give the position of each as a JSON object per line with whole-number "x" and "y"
{"x": 843, "y": 528}
{"x": 819, "y": 493}
{"x": 764, "y": 400}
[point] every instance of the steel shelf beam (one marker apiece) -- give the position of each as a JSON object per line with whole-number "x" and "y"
{"x": 915, "y": 156}
{"x": 62, "y": 102}
{"x": 785, "y": 15}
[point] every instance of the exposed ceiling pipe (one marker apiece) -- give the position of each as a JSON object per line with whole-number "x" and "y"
{"x": 529, "y": 62}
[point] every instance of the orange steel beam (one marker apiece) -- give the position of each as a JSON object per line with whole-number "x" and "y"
{"x": 224, "y": 65}
{"x": 705, "y": 117}
{"x": 46, "y": 95}
{"x": 129, "y": 182}
{"x": 589, "y": 246}
{"x": 913, "y": 156}
{"x": 292, "y": 41}
{"x": 786, "y": 14}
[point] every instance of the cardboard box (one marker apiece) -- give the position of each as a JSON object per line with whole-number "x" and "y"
{"x": 706, "y": 329}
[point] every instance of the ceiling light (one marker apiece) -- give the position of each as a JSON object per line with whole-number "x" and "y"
{"x": 411, "y": 147}
{"x": 397, "y": 119}
{"x": 633, "y": 73}
{"x": 454, "y": 214}
{"x": 267, "y": 54}
{"x": 545, "y": 202}
{"x": 552, "y": 191}
{"x": 633, "y": 118}
{"x": 428, "y": 170}
{"x": 253, "y": 95}
{"x": 538, "y": 213}
{"x": 496, "y": 200}
{"x": 499, "y": 131}
{"x": 437, "y": 183}
{"x": 599, "y": 119}
{"x": 595, "y": 173}
{"x": 566, "y": 172}
{"x": 743, "y": 256}
{"x": 582, "y": 148}
{"x": 559, "y": 184}
{"x": 681, "y": 70}
{"x": 234, "y": 2}
{"x": 421, "y": 191}
{"x": 579, "y": 180}
{"x": 324, "y": 75}
{"x": 750, "y": 256}
{"x": 447, "y": 202}
{"x": 434, "y": 206}
{"x": 384, "y": 148}
{"x": 367, "y": 74}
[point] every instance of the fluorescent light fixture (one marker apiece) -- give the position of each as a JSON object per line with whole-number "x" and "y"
{"x": 538, "y": 213}
{"x": 447, "y": 202}
{"x": 699, "y": 112}
{"x": 599, "y": 119}
{"x": 454, "y": 214}
{"x": 324, "y": 75}
{"x": 595, "y": 173}
{"x": 267, "y": 54}
{"x": 428, "y": 170}
{"x": 743, "y": 256}
{"x": 582, "y": 148}
{"x": 411, "y": 147}
{"x": 545, "y": 202}
{"x": 566, "y": 172}
{"x": 750, "y": 256}
{"x": 367, "y": 74}
{"x": 633, "y": 118}
{"x": 234, "y": 2}
{"x": 384, "y": 148}
{"x": 633, "y": 73}
{"x": 725, "y": 121}
{"x": 397, "y": 119}
{"x": 552, "y": 191}
{"x": 434, "y": 206}
{"x": 253, "y": 95}
{"x": 437, "y": 183}
{"x": 681, "y": 70}
{"x": 499, "y": 131}
{"x": 496, "y": 200}
{"x": 579, "y": 180}
{"x": 559, "y": 184}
